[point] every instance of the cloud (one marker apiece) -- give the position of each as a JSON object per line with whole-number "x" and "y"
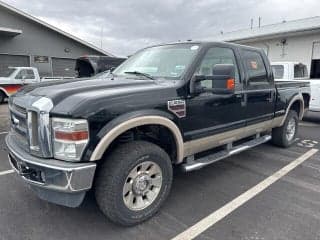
{"x": 129, "y": 25}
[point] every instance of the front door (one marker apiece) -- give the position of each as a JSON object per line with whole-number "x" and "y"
{"x": 209, "y": 113}
{"x": 26, "y": 76}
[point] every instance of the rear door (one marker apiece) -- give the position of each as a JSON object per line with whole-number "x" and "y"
{"x": 259, "y": 90}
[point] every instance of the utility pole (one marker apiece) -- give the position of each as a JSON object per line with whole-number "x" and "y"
{"x": 101, "y": 40}
{"x": 251, "y": 24}
{"x": 259, "y": 22}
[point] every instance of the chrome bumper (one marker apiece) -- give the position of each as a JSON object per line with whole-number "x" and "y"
{"x": 60, "y": 182}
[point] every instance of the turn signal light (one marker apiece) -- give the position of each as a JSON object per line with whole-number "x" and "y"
{"x": 71, "y": 136}
{"x": 230, "y": 84}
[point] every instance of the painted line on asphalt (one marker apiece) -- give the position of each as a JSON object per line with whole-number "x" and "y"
{"x": 6, "y": 172}
{"x": 221, "y": 213}
{"x": 304, "y": 124}
{"x": 1, "y": 133}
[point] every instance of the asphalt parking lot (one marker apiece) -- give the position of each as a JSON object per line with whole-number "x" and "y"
{"x": 287, "y": 209}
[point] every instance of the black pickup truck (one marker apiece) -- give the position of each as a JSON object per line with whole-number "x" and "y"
{"x": 183, "y": 104}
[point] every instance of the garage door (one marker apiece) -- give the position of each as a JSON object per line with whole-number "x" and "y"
{"x": 316, "y": 50}
{"x": 63, "y": 67}
{"x": 13, "y": 61}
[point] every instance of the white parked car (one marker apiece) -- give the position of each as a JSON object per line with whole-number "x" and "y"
{"x": 295, "y": 71}
{"x": 15, "y": 77}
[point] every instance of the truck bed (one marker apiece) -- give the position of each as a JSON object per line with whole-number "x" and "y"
{"x": 298, "y": 84}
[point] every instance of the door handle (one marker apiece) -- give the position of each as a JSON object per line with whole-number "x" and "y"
{"x": 270, "y": 99}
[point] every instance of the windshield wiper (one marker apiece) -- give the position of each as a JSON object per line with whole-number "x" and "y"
{"x": 140, "y": 74}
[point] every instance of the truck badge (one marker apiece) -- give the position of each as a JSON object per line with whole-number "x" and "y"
{"x": 178, "y": 107}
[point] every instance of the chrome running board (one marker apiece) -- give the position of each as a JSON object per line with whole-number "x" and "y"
{"x": 194, "y": 164}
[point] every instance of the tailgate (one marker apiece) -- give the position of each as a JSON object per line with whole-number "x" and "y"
{"x": 315, "y": 95}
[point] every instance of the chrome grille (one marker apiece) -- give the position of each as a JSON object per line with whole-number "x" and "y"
{"x": 18, "y": 117}
{"x": 30, "y": 124}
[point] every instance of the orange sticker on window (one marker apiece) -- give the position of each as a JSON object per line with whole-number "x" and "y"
{"x": 254, "y": 65}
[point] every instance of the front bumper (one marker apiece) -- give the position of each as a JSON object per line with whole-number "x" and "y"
{"x": 60, "y": 182}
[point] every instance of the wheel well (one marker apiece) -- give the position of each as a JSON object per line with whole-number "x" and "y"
{"x": 156, "y": 134}
{"x": 3, "y": 93}
{"x": 297, "y": 106}
{"x": 306, "y": 100}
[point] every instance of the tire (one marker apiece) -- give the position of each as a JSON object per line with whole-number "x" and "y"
{"x": 117, "y": 174}
{"x": 281, "y": 136}
{"x": 2, "y": 97}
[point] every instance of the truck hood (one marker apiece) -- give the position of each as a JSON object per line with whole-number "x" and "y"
{"x": 81, "y": 96}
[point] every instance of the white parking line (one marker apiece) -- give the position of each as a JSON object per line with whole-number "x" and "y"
{"x": 218, "y": 215}
{"x": 6, "y": 172}
{"x": 1, "y": 133}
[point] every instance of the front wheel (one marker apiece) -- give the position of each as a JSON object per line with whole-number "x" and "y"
{"x": 133, "y": 182}
{"x": 285, "y": 135}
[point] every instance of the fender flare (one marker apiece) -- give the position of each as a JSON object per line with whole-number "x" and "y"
{"x": 4, "y": 91}
{"x": 116, "y": 131}
{"x": 296, "y": 98}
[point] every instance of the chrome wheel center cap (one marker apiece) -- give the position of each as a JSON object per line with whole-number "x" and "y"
{"x": 140, "y": 184}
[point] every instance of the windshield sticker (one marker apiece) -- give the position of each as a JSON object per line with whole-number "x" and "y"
{"x": 195, "y": 47}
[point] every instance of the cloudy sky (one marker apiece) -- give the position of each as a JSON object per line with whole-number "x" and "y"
{"x": 127, "y": 25}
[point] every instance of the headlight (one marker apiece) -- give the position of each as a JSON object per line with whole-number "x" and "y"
{"x": 70, "y": 137}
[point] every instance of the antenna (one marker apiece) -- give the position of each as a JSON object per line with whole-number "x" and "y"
{"x": 260, "y": 22}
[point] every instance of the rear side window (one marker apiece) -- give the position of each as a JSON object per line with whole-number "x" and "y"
{"x": 30, "y": 74}
{"x": 300, "y": 71}
{"x": 22, "y": 74}
{"x": 254, "y": 64}
{"x": 278, "y": 71}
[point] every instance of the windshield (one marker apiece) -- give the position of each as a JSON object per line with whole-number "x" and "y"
{"x": 169, "y": 61}
{"x": 7, "y": 72}
{"x": 278, "y": 71}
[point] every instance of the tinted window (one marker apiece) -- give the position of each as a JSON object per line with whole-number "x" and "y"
{"x": 216, "y": 55}
{"x": 278, "y": 71}
{"x": 300, "y": 71}
{"x": 255, "y": 67}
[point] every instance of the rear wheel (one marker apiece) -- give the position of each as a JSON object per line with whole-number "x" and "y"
{"x": 285, "y": 135}
{"x": 133, "y": 182}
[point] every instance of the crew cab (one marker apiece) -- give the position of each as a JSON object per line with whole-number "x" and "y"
{"x": 186, "y": 105}
{"x": 296, "y": 71}
{"x": 14, "y": 78}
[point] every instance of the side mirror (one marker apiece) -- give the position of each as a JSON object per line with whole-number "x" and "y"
{"x": 222, "y": 80}
{"x": 23, "y": 79}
